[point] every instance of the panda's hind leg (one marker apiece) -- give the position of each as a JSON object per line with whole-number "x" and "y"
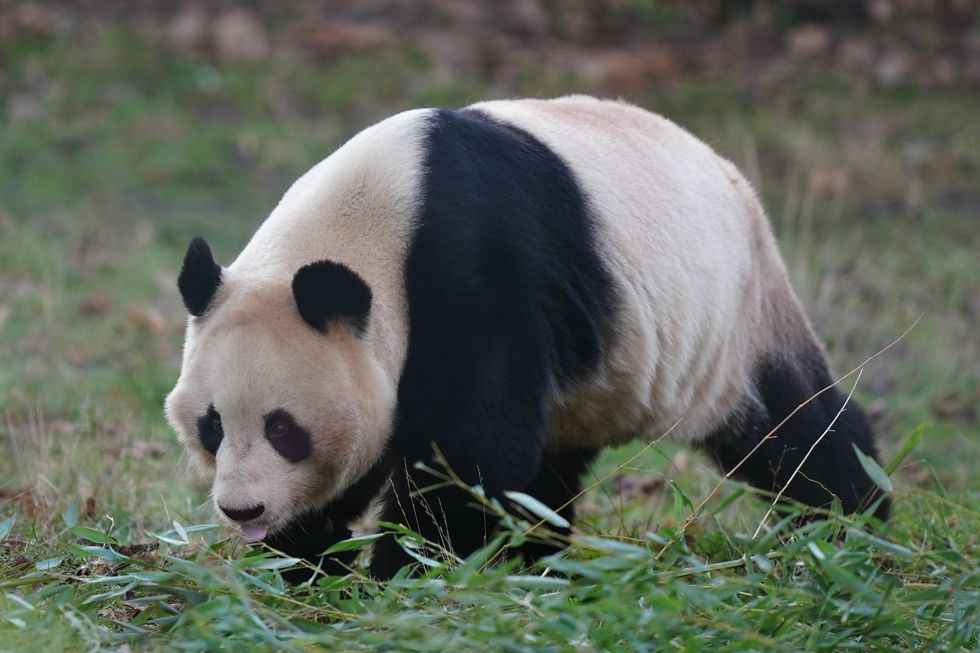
{"x": 831, "y": 469}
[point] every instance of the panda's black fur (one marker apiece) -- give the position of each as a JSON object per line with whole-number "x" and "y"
{"x": 831, "y": 469}
{"x": 510, "y": 305}
{"x": 503, "y": 306}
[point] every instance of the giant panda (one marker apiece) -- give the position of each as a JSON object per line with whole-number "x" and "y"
{"x": 511, "y": 287}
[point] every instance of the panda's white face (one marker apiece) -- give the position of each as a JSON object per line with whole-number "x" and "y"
{"x": 286, "y": 416}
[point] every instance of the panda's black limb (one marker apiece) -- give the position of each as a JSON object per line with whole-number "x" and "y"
{"x": 315, "y": 531}
{"x": 307, "y": 538}
{"x": 557, "y": 485}
{"x": 449, "y": 516}
{"x": 831, "y": 469}
{"x": 444, "y": 516}
{"x": 508, "y": 297}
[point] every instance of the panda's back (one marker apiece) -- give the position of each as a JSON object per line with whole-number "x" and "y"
{"x": 657, "y": 312}
{"x": 693, "y": 262}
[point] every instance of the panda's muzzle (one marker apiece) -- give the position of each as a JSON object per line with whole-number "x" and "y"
{"x": 245, "y": 518}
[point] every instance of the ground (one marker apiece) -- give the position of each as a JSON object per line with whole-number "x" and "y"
{"x": 116, "y": 149}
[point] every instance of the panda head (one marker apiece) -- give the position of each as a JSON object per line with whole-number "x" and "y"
{"x": 279, "y": 393}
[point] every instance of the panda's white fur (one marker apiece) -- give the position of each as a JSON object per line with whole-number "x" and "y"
{"x": 702, "y": 300}
{"x": 253, "y": 353}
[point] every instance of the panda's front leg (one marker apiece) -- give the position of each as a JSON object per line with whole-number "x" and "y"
{"x": 452, "y": 518}
{"x": 313, "y": 532}
{"x": 474, "y": 398}
{"x": 446, "y": 514}
{"x": 307, "y": 538}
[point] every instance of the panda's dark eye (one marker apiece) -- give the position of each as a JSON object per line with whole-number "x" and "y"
{"x": 210, "y": 431}
{"x": 277, "y": 428}
{"x": 288, "y": 438}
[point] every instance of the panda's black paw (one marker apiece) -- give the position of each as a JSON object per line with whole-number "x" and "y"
{"x": 307, "y": 539}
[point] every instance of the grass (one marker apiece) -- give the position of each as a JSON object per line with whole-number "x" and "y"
{"x": 113, "y": 154}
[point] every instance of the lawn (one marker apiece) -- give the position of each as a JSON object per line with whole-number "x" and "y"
{"x": 114, "y": 152}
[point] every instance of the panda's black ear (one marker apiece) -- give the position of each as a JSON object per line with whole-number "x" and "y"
{"x": 199, "y": 277}
{"x": 327, "y": 291}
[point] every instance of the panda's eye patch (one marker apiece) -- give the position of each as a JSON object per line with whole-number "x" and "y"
{"x": 209, "y": 430}
{"x": 288, "y": 438}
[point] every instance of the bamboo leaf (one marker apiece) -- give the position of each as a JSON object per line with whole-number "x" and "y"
{"x": 874, "y": 470}
{"x": 92, "y": 535}
{"x": 48, "y": 564}
{"x": 538, "y": 509}
{"x": 353, "y": 543}
{"x": 911, "y": 442}
{"x": 70, "y": 516}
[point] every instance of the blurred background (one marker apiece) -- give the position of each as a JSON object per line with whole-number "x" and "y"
{"x": 126, "y": 128}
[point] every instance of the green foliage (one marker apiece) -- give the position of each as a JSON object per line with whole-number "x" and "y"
{"x": 789, "y": 589}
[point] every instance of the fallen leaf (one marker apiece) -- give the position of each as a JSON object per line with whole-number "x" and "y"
{"x": 7, "y": 494}
{"x": 147, "y": 318}
{"x": 829, "y": 181}
{"x": 96, "y": 306}
{"x": 330, "y": 39}
{"x": 188, "y": 29}
{"x": 134, "y": 550}
{"x": 809, "y": 41}
{"x": 638, "y": 485}
{"x": 239, "y": 36}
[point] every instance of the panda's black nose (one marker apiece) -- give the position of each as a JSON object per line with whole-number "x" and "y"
{"x": 243, "y": 514}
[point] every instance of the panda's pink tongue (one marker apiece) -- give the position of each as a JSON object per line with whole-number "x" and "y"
{"x": 254, "y": 533}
